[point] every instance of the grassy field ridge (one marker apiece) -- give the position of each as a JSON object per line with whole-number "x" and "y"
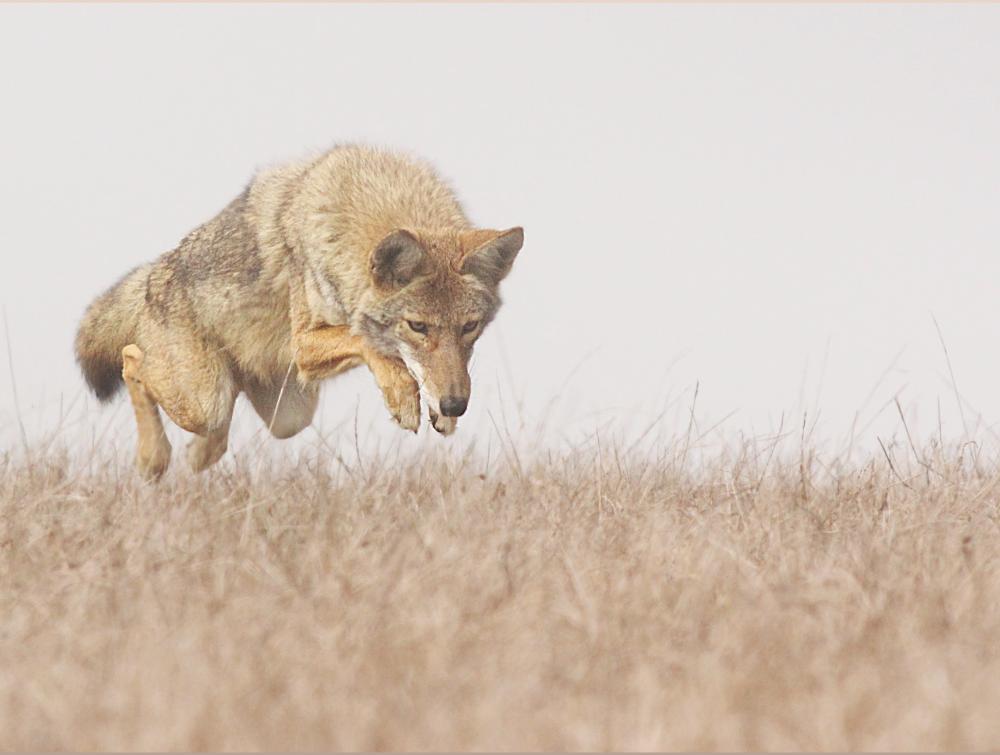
{"x": 585, "y": 600}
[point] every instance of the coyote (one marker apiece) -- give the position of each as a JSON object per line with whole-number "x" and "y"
{"x": 359, "y": 256}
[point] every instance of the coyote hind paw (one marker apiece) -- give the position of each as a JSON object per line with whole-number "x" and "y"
{"x": 153, "y": 462}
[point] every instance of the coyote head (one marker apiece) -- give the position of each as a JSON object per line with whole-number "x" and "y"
{"x": 432, "y": 295}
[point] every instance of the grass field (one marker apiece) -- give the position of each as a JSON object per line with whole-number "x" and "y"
{"x": 587, "y": 600}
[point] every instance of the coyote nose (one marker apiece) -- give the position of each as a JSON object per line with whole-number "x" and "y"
{"x": 453, "y": 406}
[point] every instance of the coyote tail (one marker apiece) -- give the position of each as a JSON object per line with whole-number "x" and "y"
{"x": 107, "y": 327}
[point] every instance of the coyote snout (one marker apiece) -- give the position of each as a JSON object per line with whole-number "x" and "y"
{"x": 440, "y": 366}
{"x": 454, "y": 406}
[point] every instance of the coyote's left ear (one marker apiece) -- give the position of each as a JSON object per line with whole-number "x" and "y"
{"x": 492, "y": 253}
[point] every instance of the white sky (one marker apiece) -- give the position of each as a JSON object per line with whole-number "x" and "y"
{"x": 771, "y": 202}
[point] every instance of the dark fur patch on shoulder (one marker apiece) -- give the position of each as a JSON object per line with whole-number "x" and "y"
{"x": 224, "y": 247}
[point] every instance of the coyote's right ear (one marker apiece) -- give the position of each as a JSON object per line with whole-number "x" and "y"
{"x": 397, "y": 260}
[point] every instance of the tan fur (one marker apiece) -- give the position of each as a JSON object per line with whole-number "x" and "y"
{"x": 316, "y": 268}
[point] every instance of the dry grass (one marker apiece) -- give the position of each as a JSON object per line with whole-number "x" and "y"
{"x": 585, "y": 601}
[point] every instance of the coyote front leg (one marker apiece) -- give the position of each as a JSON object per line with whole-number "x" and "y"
{"x": 332, "y": 349}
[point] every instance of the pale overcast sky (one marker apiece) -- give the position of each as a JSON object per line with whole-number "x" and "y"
{"x": 772, "y": 202}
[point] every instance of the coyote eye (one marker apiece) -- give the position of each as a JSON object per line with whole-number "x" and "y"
{"x": 470, "y": 326}
{"x": 417, "y": 327}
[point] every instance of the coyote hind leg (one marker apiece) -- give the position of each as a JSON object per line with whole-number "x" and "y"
{"x": 289, "y": 416}
{"x": 192, "y": 385}
{"x": 154, "y": 448}
{"x": 204, "y": 450}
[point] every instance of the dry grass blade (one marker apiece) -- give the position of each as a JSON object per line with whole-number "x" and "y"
{"x": 951, "y": 373}
{"x": 429, "y": 605}
{"x": 13, "y": 383}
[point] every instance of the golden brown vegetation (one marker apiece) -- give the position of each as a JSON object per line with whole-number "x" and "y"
{"x": 587, "y": 600}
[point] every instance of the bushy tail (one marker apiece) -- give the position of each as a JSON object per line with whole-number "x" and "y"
{"x": 108, "y": 326}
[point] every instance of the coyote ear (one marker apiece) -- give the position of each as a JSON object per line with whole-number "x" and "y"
{"x": 492, "y": 254}
{"x": 397, "y": 260}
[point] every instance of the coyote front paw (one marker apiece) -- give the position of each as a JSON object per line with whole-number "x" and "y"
{"x": 444, "y": 425}
{"x": 402, "y": 396}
